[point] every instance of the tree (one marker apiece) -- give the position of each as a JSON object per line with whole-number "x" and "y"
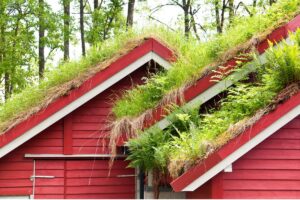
{"x": 41, "y": 39}
{"x": 50, "y": 35}
{"x": 107, "y": 20}
{"x": 190, "y": 8}
{"x": 66, "y": 31}
{"x": 81, "y": 22}
{"x": 130, "y": 12}
{"x": 17, "y": 45}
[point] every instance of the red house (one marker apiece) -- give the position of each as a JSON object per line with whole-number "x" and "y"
{"x": 62, "y": 150}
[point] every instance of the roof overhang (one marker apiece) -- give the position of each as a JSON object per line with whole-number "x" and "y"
{"x": 150, "y": 49}
{"x": 239, "y": 146}
{"x": 269, "y": 124}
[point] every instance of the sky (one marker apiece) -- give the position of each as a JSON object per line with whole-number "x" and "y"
{"x": 167, "y": 15}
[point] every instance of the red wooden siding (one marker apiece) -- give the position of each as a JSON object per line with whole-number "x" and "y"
{"x": 80, "y": 179}
{"x": 270, "y": 170}
{"x": 84, "y": 131}
{"x": 203, "y": 192}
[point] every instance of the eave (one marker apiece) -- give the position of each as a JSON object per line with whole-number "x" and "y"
{"x": 239, "y": 146}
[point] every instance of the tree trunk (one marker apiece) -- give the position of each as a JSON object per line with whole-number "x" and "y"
{"x": 272, "y": 1}
{"x": 7, "y": 91}
{"x": 186, "y": 6}
{"x": 66, "y": 29}
{"x": 254, "y": 3}
{"x": 223, "y": 15}
{"x": 6, "y": 86}
{"x": 41, "y": 40}
{"x": 96, "y": 3}
{"x": 82, "y": 27}
{"x": 130, "y": 13}
{"x": 217, "y": 13}
{"x": 231, "y": 10}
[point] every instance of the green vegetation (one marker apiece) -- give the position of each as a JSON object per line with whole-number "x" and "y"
{"x": 193, "y": 136}
{"x": 37, "y": 96}
{"x": 194, "y": 59}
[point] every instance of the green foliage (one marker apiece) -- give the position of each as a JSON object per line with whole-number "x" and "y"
{"x": 17, "y": 44}
{"x": 194, "y": 57}
{"x": 147, "y": 151}
{"x": 33, "y": 96}
{"x": 196, "y": 133}
{"x": 106, "y": 22}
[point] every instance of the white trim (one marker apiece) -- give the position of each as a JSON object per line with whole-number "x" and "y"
{"x": 15, "y": 197}
{"x": 162, "y": 62}
{"x": 72, "y": 156}
{"x": 244, "y": 149}
{"x": 81, "y": 100}
{"x": 228, "y": 168}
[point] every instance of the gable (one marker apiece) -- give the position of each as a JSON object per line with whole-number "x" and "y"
{"x": 239, "y": 146}
{"x": 75, "y": 153}
{"x": 270, "y": 170}
{"x": 149, "y": 50}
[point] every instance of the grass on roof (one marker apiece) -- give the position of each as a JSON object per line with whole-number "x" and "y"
{"x": 195, "y": 58}
{"x": 193, "y": 136}
{"x": 67, "y": 76}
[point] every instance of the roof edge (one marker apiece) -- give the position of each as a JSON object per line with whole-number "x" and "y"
{"x": 224, "y": 156}
{"x": 149, "y": 45}
{"x": 159, "y": 114}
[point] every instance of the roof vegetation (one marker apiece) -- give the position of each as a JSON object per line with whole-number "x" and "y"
{"x": 196, "y": 59}
{"x": 66, "y": 77}
{"x": 193, "y": 136}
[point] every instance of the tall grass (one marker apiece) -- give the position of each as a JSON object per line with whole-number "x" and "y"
{"x": 194, "y": 136}
{"x": 194, "y": 57}
{"x": 35, "y": 95}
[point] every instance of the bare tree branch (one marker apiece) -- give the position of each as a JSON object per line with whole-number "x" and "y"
{"x": 150, "y": 17}
{"x": 245, "y": 7}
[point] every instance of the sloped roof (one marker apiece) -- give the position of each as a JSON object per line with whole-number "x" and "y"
{"x": 77, "y": 92}
{"x": 240, "y": 145}
{"x": 205, "y": 85}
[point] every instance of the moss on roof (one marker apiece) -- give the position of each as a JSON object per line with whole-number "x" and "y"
{"x": 193, "y": 136}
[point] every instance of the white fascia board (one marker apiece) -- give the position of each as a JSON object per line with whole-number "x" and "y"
{"x": 244, "y": 149}
{"x": 162, "y": 62}
{"x": 82, "y": 100}
{"x": 222, "y": 85}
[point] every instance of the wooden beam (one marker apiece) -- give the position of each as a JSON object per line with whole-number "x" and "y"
{"x": 68, "y": 136}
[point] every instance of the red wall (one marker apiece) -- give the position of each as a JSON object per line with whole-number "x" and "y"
{"x": 84, "y": 131}
{"x": 270, "y": 170}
